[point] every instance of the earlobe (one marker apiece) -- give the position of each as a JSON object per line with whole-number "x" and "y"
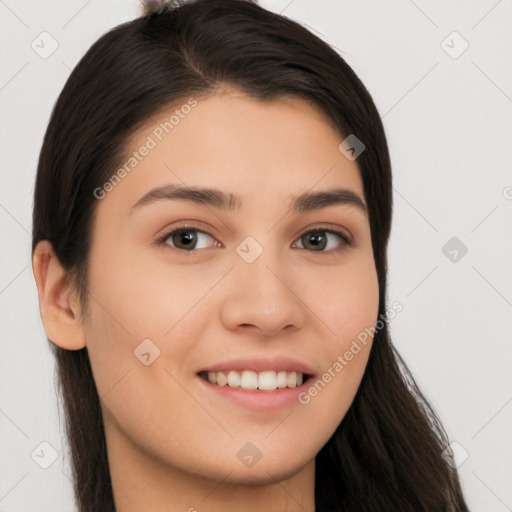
{"x": 58, "y": 302}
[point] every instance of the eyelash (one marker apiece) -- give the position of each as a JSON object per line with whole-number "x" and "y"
{"x": 346, "y": 241}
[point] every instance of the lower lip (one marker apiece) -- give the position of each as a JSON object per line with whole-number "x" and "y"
{"x": 266, "y": 401}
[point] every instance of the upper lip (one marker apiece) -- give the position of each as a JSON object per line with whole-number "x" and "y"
{"x": 260, "y": 364}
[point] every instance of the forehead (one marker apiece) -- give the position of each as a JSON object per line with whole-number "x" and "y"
{"x": 252, "y": 148}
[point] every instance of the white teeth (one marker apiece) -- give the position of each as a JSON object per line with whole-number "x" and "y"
{"x": 282, "y": 380}
{"x": 234, "y": 380}
{"x": 250, "y": 380}
{"x": 222, "y": 380}
{"x": 267, "y": 381}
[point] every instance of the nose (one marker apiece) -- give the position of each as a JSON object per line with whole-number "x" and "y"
{"x": 263, "y": 296}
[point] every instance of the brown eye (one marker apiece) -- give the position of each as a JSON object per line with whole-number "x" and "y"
{"x": 317, "y": 240}
{"x": 186, "y": 239}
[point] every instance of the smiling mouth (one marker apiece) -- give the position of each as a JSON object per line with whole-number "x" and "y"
{"x": 250, "y": 380}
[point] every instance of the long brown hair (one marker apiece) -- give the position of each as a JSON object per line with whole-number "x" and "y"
{"x": 387, "y": 453}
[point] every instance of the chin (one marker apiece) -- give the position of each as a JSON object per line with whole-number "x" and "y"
{"x": 261, "y": 474}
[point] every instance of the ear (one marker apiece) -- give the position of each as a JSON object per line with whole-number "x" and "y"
{"x": 58, "y": 302}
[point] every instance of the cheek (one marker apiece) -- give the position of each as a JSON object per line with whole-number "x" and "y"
{"x": 131, "y": 303}
{"x": 145, "y": 298}
{"x": 347, "y": 302}
{"x": 349, "y": 307}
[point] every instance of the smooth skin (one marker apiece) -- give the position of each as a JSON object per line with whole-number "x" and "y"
{"x": 172, "y": 443}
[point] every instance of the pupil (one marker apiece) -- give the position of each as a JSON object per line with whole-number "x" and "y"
{"x": 316, "y": 237}
{"x": 186, "y": 238}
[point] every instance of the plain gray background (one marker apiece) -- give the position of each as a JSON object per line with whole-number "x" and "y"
{"x": 447, "y": 111}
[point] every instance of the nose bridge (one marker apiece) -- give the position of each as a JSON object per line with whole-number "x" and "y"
{"x": 261, "y": 262}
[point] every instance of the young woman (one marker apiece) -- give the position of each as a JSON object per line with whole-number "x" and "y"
{"x": 211, "y": 214}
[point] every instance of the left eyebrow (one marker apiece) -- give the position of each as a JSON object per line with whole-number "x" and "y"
{"x": 219, "y": 199}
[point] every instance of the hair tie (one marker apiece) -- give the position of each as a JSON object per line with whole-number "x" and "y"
{"x": 152, "y": 7}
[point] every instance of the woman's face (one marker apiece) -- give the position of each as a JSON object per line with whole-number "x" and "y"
{"x": 244, "y": 295}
